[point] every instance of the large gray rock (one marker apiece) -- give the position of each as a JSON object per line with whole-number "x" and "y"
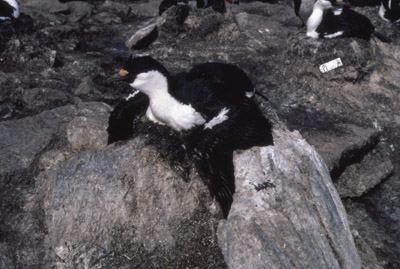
{"x": 126, "y": 201}
{"x": 286, "y": 212}
{"x": 30, "y": 145}
{"x": 23, "y": 140}
{"x": 46, "y": 5}
{"x": 145, "y": 35}
{"x": 88, "y": 129}
{"x": 362, "y": 176}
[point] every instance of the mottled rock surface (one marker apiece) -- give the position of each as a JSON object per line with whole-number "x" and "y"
{"x": 123, "y": 205}
{"x": 286, "y": 212}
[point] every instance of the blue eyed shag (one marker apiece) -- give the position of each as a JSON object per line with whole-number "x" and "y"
{"x": 208, "y": 105}
{"x": 303, "y": 9}
{"x": 8, "y": 10}
{"x": 332, "y": 19}
{"x": 390, "y": 10}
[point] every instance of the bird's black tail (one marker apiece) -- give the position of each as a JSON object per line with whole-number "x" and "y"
{"x": 217, "y": 172}
{"x": 382, "y": 37}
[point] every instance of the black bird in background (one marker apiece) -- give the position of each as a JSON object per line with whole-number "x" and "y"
{"x": 209, "y": 105}
{"x": 327, "y": 22}
{"x": 9, "y": 10}
{"x": 390, "y": 10}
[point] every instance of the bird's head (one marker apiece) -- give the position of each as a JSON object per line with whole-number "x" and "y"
{"x": 144, "y": 74}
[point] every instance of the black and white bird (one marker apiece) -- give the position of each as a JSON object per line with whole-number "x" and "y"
{"x": 183, "y": 7}
{"x": 9, "y": 10}
{"x": 303, "y": 9}
{"x": 208, "y": 105}
{"x": 331, "y": 19}
{"x": 390, "y": 10}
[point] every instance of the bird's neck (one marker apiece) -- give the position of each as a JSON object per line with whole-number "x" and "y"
{"x": 315, "y": 18}
{"x": 153, "y": 83}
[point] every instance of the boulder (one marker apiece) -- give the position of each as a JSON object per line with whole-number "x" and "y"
{"x": 124, "y": 205}
{"x": 88, "y": 129}
{"x": 46, "y": 5}
{"x": 23, "y": 140}
{"x": 286, "y": 211}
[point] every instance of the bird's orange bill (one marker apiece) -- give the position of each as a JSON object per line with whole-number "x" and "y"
{"x": 123, "y": 72}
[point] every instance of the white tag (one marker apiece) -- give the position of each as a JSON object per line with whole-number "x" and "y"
{"x": 330, "y": 65}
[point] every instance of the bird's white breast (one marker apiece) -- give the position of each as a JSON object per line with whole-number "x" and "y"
{"x": 163, "y": 107}
{"x": 313, "y": 22}
{"x": 175, "y": 114}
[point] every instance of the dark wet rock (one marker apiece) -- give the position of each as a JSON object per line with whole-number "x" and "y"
{"x": 145, "y": 8}
{"x": 356, "y": 157}
{"x": 114, "y": 6}
{"x": 42, "y": 97}
{"x": 79, "y": 10}
{"x": 343, "y": 143}
{"x": 273, "y": 225}
{"x": 370, "y": 236}
{"x": 362, "y": 176}
{"x": 106, "y": 18}
{"x": 46, "y": 5}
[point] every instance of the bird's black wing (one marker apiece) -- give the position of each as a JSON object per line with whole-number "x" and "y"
{"x": 120, "y": 123}
{"x": 217, "y": 173}
{"x": 250, "y": 128}
{"x": 349, "y": 22}
{"x": 232, "y": 80}
{"x": 209, "y": 87}
{"x": 392, "y": 12}
{"x": 200, "y": 93}
{"x": 5, "y": 9}
{"x": 212, "y": 155}
{"x": 212, "y": 149}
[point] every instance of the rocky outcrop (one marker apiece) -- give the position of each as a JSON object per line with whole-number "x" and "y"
{"x": 286, "y": 212}
{"x": 30, "y": 145}
{"x": 124, "y": 205}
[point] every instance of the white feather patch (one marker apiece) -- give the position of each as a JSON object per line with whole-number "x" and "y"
{"x": 382, "y": 11}
{"x": 338, "y": 11}
{"x": 250, "y": 94}
{"x": 312, "y": 34}
{"x": 339, "y": 33}
{"x": 132, "y": 95}
{"x": 221, "y": 117}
